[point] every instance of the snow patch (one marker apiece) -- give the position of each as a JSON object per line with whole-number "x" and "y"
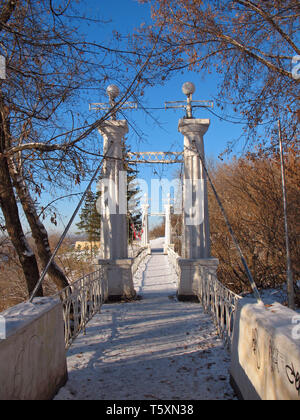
{"x": 28, "y": 253}
{"x": 152, "y": 349}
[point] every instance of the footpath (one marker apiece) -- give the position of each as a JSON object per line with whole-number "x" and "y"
{"x": 155, "y": 348}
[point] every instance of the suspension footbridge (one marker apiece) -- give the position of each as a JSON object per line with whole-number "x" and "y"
{"x": 154, "y": 348}
{"x": 175, "y": 331}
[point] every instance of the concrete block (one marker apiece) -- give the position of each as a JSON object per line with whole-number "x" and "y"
{"x": 119, "y": 279}
{"x": 32, "y": 356}
{"x": 191, "y": 273}
{"x": 265, "y": 352}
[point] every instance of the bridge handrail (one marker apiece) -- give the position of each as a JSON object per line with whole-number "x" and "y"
{"x": 221, "y": 302}
{"x": 81, "y": 300}
{"x": 134, "y": 249}
{"x": 215, "y": 298}
{"x": 174, "y": 258}
{"x": 139, "y": 257}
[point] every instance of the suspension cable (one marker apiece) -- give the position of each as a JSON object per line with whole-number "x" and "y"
{"x": 43, "y": 275}
{"x": 243, "y": 259}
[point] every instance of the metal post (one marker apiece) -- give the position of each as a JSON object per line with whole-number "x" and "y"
{"x": 290, "y": 283}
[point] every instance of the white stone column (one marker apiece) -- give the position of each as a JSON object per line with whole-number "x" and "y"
{"x": 196, "y": 232}
{"x": 145, "y": 222}
{"x": 168, "y": 222}
{"x": 114, "y": 226}
{"x": 196, "y": 261}
{"x": 114, "y": 230}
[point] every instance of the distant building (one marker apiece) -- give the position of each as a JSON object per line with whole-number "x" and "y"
{"x": 86, "y": 245}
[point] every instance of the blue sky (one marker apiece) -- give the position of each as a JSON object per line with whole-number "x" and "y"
{"x": 124, "y": 16}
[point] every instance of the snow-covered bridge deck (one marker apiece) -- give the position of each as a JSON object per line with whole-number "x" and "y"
{"x": 155, "y": 348}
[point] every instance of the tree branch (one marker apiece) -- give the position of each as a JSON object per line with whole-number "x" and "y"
{"x": 7, "y": 10}
{"x": 269, "y": 19}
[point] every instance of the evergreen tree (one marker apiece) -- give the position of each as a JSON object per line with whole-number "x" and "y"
{"x": 90, "y": 219}
{"x": 134, "y": 215}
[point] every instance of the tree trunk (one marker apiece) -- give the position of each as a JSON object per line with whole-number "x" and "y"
{"x": 11, "y": 215}
{"x": 38, "y": 230}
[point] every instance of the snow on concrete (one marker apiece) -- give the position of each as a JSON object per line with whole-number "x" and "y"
{"x": 155, "y": 348}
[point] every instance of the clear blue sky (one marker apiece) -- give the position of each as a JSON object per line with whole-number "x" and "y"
{"x": 124, "y": 16}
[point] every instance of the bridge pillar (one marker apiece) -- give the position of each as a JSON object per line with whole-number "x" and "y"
{"x": 168, "y": 232}
{"x": 114, "y": 225}
{"x": 196, "y": 232}
{"x": 145, "y": 222}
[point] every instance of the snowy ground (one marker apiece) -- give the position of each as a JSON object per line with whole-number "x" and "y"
{"x": 152, "y": 349}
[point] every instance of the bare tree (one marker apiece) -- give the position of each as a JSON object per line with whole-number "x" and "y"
{"x": 11, "y": 213}
{"x": 250, "y": 189}
{"x": 250, "y": 44}
{"x": 38, "y": 230}
{"x": 48, "y": 64}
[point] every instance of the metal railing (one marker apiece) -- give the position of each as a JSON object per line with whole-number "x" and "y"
{"x": 82, "y": 300}
{"x": 140, "y": 256}
{"x": 174, "y": 258}
{"x": 215, "y": 298}
{"x": 220, "y": 302}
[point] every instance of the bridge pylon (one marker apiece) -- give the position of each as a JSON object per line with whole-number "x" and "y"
{"x": 145, "y": 221}
{"x": 168, "y": 226}
{"x": 196, "y": 250}
{"x": 113, "y": 208}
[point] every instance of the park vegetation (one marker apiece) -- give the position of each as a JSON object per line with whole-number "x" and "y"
{"x": 46, "y": 144}
{"x": 250, "y": 189}
{"x": 251, "y": 192}
{"x": 249, "y": 44}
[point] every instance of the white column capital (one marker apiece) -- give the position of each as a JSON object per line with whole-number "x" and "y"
{"x": 193, "y": 131}
{"x": 193, "y": 126}
{"x": 114, "y": 129}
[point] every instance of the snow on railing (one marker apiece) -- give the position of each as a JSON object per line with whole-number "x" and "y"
{"x": 134, "y": 249}
{"x": 140, "y": 256}
{"x": 82, "y": 300}
{"x": 220, "y": 302}
{"x": 174, "y": 258}
{"x": 215, "y": 299}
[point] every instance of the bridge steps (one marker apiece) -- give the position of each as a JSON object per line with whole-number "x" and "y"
{"x": 155, "y": 348}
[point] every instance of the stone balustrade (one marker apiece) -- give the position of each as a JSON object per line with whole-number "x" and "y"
{"x": 32, "y": 354}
